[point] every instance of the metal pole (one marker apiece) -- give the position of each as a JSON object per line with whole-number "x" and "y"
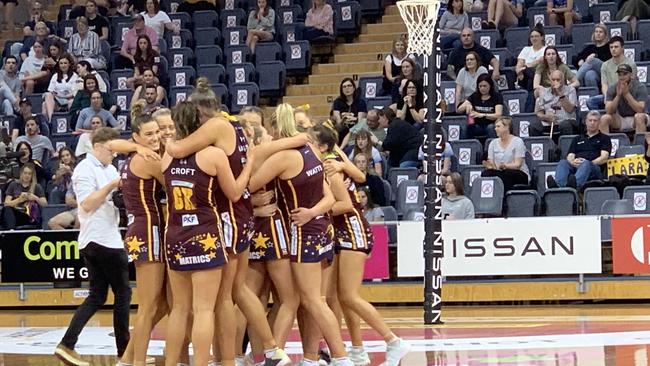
{"x": 433, "y": 143}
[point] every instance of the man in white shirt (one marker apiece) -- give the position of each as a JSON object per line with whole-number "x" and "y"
{"x": 94, "y": 180}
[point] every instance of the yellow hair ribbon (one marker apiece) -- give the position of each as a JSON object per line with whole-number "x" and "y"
{"x": 228, "y": 116}
{"x": 304, "y": 107}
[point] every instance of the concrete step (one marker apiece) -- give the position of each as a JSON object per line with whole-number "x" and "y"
{"x": 354, "y": 48}
{"x": 361, "y": 57}
{"x": 393, "y": 18}
{"x": 379, "y": 37}
{"x": 383, "y": 28}
{"x": 336, "y": 78}
{"x": 312, "y": 100}
{"x": 313, "y": 89}
{"x": 347, "y": 67}
{"x": 391, "y": 10}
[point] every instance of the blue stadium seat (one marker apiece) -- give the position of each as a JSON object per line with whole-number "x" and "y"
{"x": 237, "y": 54}
{"x": 448, "y": 89}
{"x": 397, "y": 175}
{"x": 182, "y": 76}
{"x": 468, "y": 152}
{"x": 619, "y": 28}
{"x": 208, "y": 55}
{"x": 378, "y": 102}
{"x": 233, "y": 4}
{"x": 123, "y": 98}
{"x": 221, "y": 91}
{"x": 49, "y": 211}
{"x": 554, "y": 35}
{"x": 279, "y": 3}
{"x": 64, "y": 12}
{"x": 242, "y": 95}
{"x": 347, "y": 19}
{"x": 516, "y": 37}
{"x": 240, "y": 73}
{"x": 371, "y": 8}
{"x": 267, "y": 51}
{"x": 634, "y": 50}
{"x": 581, "y": 34}
{"x": 514, "y": 101}
{"x": 619, "y": 140}
{"x": 183, "y": 19}
{"x": 207, "y": 36}
{"x": 475, "y": 18}
{"x": 643, "y": 30}
{"x": 60, "y": 121}
{"x": 118, "y": 32}
{"x": 290, "y": 32}
{"x": 536, "y": 14}
{"x": 504, "y": 56}
{"x": 234, "y": 36}
{"x": 469, "y": 173}
{"x": 118, "y": 78}
{"x": 371, "y": 87}
{"x": 64, "y": 139}
{"x": 487, "y": 37}
{"x": 233, "y": 18}
{"x": 521, "y": 123}
{"x": 183, "y": 39}
{"x": 178, "y": 94}
{"x": 290, "y": 14}
{"x": 178, "y": 57}
{"x": 541, "y": 148}
{"x": 297, "y": 56}
{"x": 390, "y": 215}
{"x": 66, "y": 28}
{"x": 215, "y": 73}
{"x": 603, "y": 12}
{"x": 584, "y": 93}
{"x": 271, "y": 77}
{"x": 205, "y": 18}
{"x": 37, "y": 102}
{"x": 453, "y": 125}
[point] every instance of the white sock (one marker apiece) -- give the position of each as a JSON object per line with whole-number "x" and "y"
{"x": 394, "y": 342}
{"x": 308, "y": 362}
{"x": 269, "y": 353}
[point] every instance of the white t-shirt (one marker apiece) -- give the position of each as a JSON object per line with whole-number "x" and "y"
{"x": 506, "y": 155}
{"x": 32, "y": 65}
{"x": 63, "y": 88}
{"x": 397, "y": 61}
{"x": 157, "y": 22}
{"x": 84, "y": 145}
{"x": 528, "y": 54}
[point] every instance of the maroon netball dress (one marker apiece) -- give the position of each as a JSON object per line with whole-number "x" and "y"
{"x": 194, "y": 239}
{"x": 351, "y": 229}
{"x": 270, "y": 240}
{"x": 237, "y": 218}
{"x": 312, "y": 242}
{"x": 143, "y": 239}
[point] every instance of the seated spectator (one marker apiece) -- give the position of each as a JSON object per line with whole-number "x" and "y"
{"x": 451, "y": 23}
{"x": 43, "y": 77}
{"x": 348, "y": 108}
{"x": 151, "y": 98}
{"x": 67, "y": 219}
{"x": 402, "y": 142}
{"x": 502, "y": 14}
{"x": 85, "y": 45}
{"x": 95, "y": 109}
{"x": 25, "y": 113}
{"x": 447, "y": 154}
{"x": 371, "y": 211}
{"x": 41, "y": 35}
{"x": 646, "y": 144}
{"x": 126, "y": 59}
{"x": 608, "y": 71}
{"x": 455, "y": 206}
{"x": 24, "y": 198}
{"x": 483, "y": 108}
{"x": 35, "y": 16}
{"x": 84, "y": 68}
{"x": 457, "y": 57}
{"x": 96, "y": 22}
{"x": 79, "y": 8}
{"x": 38, "y": 142}
{"x": 82, "y": 99}
{"x": 466, "y": 79}
{"x": 84, "y": 145}
{"x": 556, "y": 106}
{"x": 506, "y": 157}
{"x": 60, "y": 170}
{"x": 192, "y": 6}
{"x": 30, "y": 70}
{"x": 625, "y": 103}
{"x": 393, "y": 64}
{"x": 552, "y": 62}
{"x": 363, "y": 145}
{"x": 591, "y": 58}
{"x": 372, "y": 119}
{"x": 26, "y": 158}
{"x": 146, "y": 58}
{"x": 10, "y": 86}
{"x": 411, "y": 107}
{"x": 530, "y": 57}
{"x": 409, "y": 71}
{"x": 148, "y": 78}
{"x": 563, "y": 12}
{"x": 587, "y": 154}
{"x": 319, "y": 21}
{"x": 60, "y": 94}
{"x": 261, "y": 25}
{"x": 631, "y": 11}
{"x": 373, "y": 181}
{"x": 157, "y": 19}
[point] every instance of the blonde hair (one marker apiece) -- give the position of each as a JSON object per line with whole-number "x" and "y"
{"x": 602, "y": 27}
{"x": 161, "y": 112}
{"x": 204, "y": 98}
{"x": 283, "y": 121}
{"x": 138, "y": 116}
{"x": 506, "y": 121}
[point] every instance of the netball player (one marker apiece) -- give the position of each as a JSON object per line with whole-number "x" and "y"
{"x": 194, "y": 240}
{"x": 353, "y": 245}
{"x": 302, "y": 183}
{"x": 238, "y": 225}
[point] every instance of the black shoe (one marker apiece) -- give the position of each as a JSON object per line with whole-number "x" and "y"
{"x": 571, "y": 181}
{"x": 550, "y": 182}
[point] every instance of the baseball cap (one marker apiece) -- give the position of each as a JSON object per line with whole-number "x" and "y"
{"x": 624, "y": 68}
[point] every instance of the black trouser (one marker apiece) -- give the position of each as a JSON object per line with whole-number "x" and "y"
{"x": 105, "y": 267}
{"x": 13, "y": 218}
{"x": 510, "y": 177}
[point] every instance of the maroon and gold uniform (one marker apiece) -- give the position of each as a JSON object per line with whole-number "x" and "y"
{"x": 143, "y": 239}
{"x": 270, "y": 240}
{"x": 193, "y": 238}
{"x": 312, "y": 242}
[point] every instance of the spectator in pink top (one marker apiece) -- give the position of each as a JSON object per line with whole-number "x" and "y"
{"x": 130, "y": 42}
{"x": 319, "y": 21}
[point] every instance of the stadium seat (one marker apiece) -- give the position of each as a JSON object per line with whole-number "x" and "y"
{"x": 207, "y": 36}
{"x": 566, "y": 52}
{"x": 290, "y": 32}
{"x": 290, "y": 14}
{"x": 64, "y": 12}
{"x": 410, "y": 196}
{"x": 61, "y": 122}
{"x": 468, "y": 152}
{"x": 174, "y": 41}
{"x": 581, "y": 33}
{"x": 119, "y": 77}
{"x": 564, "y": 143}
{"x": 371, "y": 86}
{"x": 66, "y": 28}
{"x": 388, "y": 193}
{"x": 297, "y": 56}
{"x": 240, "y": 73}
{"x": 453, "y": 125}
{"x": 390, "y": 215}
{"x": 503, "y": 55}
{"x": 178, "y": 57}
{"x": 542, "y": 171}
{"x": 594, "y": 197}
{"x": 603, "y": 12}
{"x": 221, "y": 91}
{"x": 521, "y": 124}
{"x": 613, "y": 207}
{"x": 178, "y": 94}
{"x": 234, "y": 36}
{"x": 583, "y": 94}
{"x": 448, "y": 89}
{"x": 469, "y": 173}
{"x": 619, "y": 28}
{"x": 536, "y": 14}
{"x": 182, "y": 76}
{"x": 414, "y": 215}
{"x": 215, "y": 73}
{"x": 397, "y": 175}
{"x": 514, "y": 101}
{"x": 487, "y": 37}
{"x": 475, "y": 18}
{"x": 379, "y": 102}
{"x": 205, "y": 18}
{"x": 49, "y": 211}
{"x": 371, "y": 8}
{"x": 182, "y": 19}
{"x": 487, "y": 196}
{"x": 634, "y": 50}
{"x": 639, "y": 195}
{"x": 208, "y": 55}
{"x": 232, "y": 18}
{"x": 541, "y": 148}
{"x": 237, "y": 54}
{"x": 279, "y": 3}
{"x": 522, "y": 203}
{"x": 271, "y": 77}
{"x": 124, "y": 119}
{"x": 233, "y": 4}
{"x": 619, "y": 139}
{"x": 118, "y": 33}
{"x": 63, "y": 139}
{"x": 560, "y": 202}
{"x": 516, "y": 37}
{"x": 267, "y": 51}
{"x": 630, "y": 150}
{"x": 643, "y": 30}
{"x": 347, "y": 19}
{"x": 123, "y": 98}
{"x": 37, "y": 102}
{"x": 242, "y": 95}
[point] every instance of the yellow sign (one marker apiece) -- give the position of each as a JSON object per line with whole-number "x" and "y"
{"x": 628, "y": 165}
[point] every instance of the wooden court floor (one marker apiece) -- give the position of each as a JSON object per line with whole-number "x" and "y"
{"x": 589, "y": 335}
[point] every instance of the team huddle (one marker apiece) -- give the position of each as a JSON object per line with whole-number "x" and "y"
{"x": 224, "y": 212}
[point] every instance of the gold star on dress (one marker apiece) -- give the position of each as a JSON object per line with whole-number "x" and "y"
{"x": 210, "y": 242}
{"x": 134, "y": 244}
{"x": 212, "y": 255}
{"x": 178, "y": 256}
{"x": 259, "y": 242}
{"x": 318, "y": 247}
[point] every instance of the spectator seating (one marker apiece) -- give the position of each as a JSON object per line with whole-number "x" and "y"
{"x": 487, "y": 196}
{"x": 560, "y": 202}
{"x": 522, "y": 203}
{"x": 594, "y": 197}
{"x": 410, "y": 196}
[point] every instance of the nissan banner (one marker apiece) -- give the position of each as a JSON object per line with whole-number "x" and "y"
{"x": 512, "y": 246}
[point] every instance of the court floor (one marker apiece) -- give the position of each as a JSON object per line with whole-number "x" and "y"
{"x": 591, "y": 335}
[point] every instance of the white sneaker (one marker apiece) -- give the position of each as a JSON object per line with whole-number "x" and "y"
{"x": 239, "y": 361}
{"x": 304, "y": 362}
{"x": 359, "y": 356}
{"x": 279, "y": 358}
{"x": 345, "y": 361}
{"x": 394, "y": 353}
{"x": 214, "y": 363}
